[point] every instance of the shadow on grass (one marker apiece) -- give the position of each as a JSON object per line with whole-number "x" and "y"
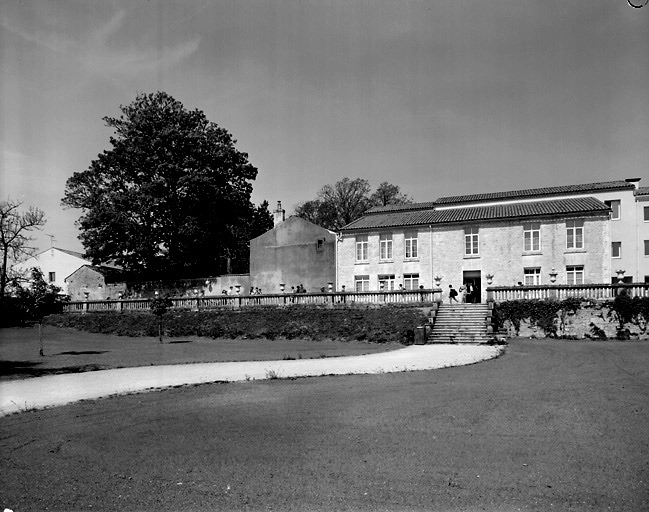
{"x": 82, "y": 352}
{"x": 180, "y": 341}
{"x": 20, "y": 369}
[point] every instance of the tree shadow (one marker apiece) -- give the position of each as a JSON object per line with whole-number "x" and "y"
{"x": 19, "y": 369}
{"x": 82, "y": 352}
{"x": 180, "y": 341}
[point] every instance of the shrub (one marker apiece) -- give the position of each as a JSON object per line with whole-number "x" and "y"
{"x": 375, "y": 325}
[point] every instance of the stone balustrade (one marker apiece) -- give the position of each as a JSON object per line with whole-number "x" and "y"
{"x": 560, "y": 292}
{"x": 421, "y": 296}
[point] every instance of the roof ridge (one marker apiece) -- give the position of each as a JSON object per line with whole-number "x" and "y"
{"x": 539, "y": 191}
{"x": 489, "y": 212}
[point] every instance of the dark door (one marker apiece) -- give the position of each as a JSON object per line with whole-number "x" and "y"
{"x": 472, "y": 277}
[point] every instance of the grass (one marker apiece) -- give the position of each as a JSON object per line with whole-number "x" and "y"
{"x": 69, "y": 351}
{"x": 550, "y": 425}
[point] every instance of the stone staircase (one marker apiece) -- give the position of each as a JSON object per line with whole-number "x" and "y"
{"x": 461, "y": 323}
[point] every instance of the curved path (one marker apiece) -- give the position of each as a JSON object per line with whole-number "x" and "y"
{"x": 53, "y": 390}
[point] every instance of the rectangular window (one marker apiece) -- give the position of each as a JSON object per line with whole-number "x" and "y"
{"x": 362, "y": 283}
{"x": 319, "y": 244}
{"x": 575, "y": 234}
{"x": 385, "y": 246}
{"x": 614, "y": 205}
{"x": 51, "y": 277}
{"x": 411, "y": 281}
{"x": 616, "y": 249}
{"x": 532, "y": 276}
{"x": 411, "y": 246}
{"x": 361, "y": 248}
{"x": 471, "y": 241}
{"x": 646, "y": 247}
{"x": 575, "y": 274}
{"x": 386, "y": 282}
{"x": 532, "y": 236}
{"x": 646, "y": 213}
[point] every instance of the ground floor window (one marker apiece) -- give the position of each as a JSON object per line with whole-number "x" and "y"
{"x": 411, "y": 281}
{"x": 575, "y": 274}
{"x": 362, "y": 283}
{"x": 532, "y": 276}
{"x": 386, "y": 282}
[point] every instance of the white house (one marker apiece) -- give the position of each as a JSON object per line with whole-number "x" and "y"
{"x": 56, "y": 264}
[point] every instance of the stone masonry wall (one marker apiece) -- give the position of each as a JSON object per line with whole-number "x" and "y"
{"x": 580, "y": 325}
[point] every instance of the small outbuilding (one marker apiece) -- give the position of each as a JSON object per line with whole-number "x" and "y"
{"x": 295, "y": 252}
{"x": 95, "y": 282}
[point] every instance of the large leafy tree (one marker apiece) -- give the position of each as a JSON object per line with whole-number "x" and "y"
{"x": 172, "y": 195}
{"x": 15, "y": 229}
{"x": 345, "y": 201}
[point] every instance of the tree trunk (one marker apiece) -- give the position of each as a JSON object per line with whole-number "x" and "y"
{"x": 3, "y": 275}
{"x": 160, "y": 329}
{"x": 40, "y": 338}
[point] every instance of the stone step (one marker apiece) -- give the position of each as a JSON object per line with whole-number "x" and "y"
{"x": 461, "y": 323}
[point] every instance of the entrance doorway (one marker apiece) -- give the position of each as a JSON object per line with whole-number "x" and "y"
{"x": 472, "y": 277}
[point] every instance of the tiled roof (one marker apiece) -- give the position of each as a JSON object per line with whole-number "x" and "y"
{"x": 536, "y": 192}
{"x": 111, "y": 274}
{"x": 400, "y": 207}
{"x": 642, "y": 191}
{"x": 479, "y": 213}
{"x": 71, "y": 253}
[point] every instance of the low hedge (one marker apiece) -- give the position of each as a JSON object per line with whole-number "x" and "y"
{"x": 375, "y": 325}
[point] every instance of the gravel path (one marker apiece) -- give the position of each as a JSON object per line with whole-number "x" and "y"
{"x": 54, "y": 390}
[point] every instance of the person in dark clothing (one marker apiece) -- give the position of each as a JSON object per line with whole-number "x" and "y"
{"x": 452, "y": 294}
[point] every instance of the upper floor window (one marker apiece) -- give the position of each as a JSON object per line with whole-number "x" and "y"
{"x": 532, "y": 276}
{"x": 616, "y": 249}
{"x": 361, "y": 248}
{"x": 646, "y": 213}
{"x": 614, "y": 204}
{"x": 575, "y": 234}
{"x": 471, "y": 241}
{"x": 410, "y": 240}
{"x": 532, "y": 236}
{"x": 575, "y": 274}
{"x": 51, "y": 277}
{"x": 319, "y": 244}
{"x": 385, "y": 246}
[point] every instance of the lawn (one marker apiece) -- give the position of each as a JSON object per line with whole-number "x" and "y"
{"x": 68, "y": 350}
{"x": 550, "y": 425}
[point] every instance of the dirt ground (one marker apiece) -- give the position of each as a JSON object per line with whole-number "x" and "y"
{"x": 68, "y": 350}
{"x": 550, "y": 425}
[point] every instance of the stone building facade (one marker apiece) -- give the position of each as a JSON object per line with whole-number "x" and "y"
{"x": 561, "y": 235}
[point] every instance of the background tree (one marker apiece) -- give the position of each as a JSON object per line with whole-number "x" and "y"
{"x": 386, "y": 194}
{"x": 172, "y": 196}
{"x": 39, "y": 300}
{"x": 347, "y": 200}
{"x": 15, "y": 227}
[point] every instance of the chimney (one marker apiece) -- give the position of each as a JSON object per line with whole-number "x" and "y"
{"x": 278, "y": 214}
{"x": 634, "y": 181}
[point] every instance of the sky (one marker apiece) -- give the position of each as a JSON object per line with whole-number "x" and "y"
{"x": 439, "y": 97}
